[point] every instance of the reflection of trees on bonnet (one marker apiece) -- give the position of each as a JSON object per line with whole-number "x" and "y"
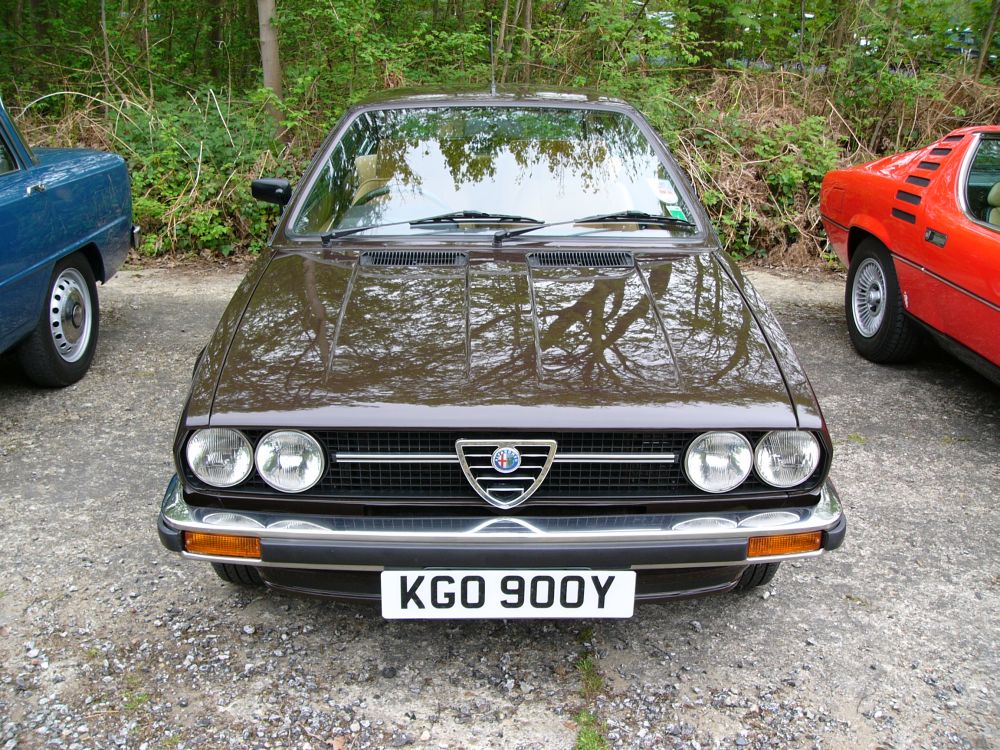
{"x": 328, "y": 332}
{"x": 609, "y": 332}
{"x": 713, "y": 332}
{"x": 459, "y": 153}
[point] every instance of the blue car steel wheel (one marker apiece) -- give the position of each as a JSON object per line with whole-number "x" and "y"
{"x": 70, "y": 315}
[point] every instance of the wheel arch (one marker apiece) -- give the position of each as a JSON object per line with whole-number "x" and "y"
{"x": 859, "y": 232}
{"x": 95, "y": 259}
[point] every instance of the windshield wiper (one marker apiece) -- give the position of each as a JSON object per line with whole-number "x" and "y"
{"x": 482, "y": 216}
{"x": 641, "y": 218}
{"x": 338, "y": 233}
{"x": 450, "y": 218}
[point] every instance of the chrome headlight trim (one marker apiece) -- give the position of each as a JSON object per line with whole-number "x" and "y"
{"x": 260, "y": 459}
{"x": 739, "y": 441}
{"x": 241, "y": 444}
{"x": 810, "y": 451}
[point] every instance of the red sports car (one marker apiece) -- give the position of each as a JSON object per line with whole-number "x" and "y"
{"x": 920, "y": 233}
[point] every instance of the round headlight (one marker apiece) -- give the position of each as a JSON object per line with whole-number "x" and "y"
{"x": 785, "y": 458}
{"x": 289, "y": 460}
{"x": 718, "y": 461}
{"x": 220, "y": 456}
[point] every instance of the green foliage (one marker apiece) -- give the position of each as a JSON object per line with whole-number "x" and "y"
{"x": 756, "y": 98}
{"x": 191, "y": 160}
{"x": 592, "y": 682}
{"x": 796, "y": 156}
{"x": 589, "y": 734}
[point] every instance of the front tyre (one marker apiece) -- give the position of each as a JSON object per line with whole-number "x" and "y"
{"x": 59, "y": 351}
{"x": 879, "y": 328}
{"x": 241, "y": 575}
{"x": 756, "y": 575}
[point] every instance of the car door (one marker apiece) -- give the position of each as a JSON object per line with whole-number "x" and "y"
{"x": 947, "y": 266}
{"x": 24, "y": 227}
{"x": 921, "y": 207}
{"x": 971, "y": 263}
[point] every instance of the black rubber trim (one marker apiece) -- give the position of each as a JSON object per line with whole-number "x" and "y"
{"x": 918, "y": 181}
{"x": 515, "y": 554}
{"x": 170, "y": 538}
{"x": 943, "y": 280}
{"x": 964, "y": 354}
{"x": 835, "y": 536}
{"x": 833, "y": 221}
{"x": 650, "y": 585}
{"x": 904, "y": 216}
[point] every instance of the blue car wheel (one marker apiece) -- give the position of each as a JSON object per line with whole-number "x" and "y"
{"x": 59, "y": 351}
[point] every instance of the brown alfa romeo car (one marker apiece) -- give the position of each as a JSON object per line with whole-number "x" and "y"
{"x": 495, "y": 363}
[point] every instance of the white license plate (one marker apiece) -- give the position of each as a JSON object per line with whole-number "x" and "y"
{"x": 501, "y": 594}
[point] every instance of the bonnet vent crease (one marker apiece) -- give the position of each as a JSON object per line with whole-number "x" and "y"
{"x": 447, "y": 258}
{"x": 586, "y": 259}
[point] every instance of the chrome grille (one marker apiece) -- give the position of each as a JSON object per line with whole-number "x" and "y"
{"x": 505, "y": 489}
{"x": 422, "y": 466}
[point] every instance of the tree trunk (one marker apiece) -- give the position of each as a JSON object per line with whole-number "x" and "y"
{"x": 987, "y": 41}
{"x": 107, "y": 53}
{"x": 39, "y": 14}
{"x": 508, "y": 45}
{"x": 215, "y": 55}
{"x": 269, "y": 47}
{"x": 845, "y": 12}
{"x": 145, "y": 41}
{"x": 269, "y": 59}
{"x": 503, "y": 24}
{"x": 802, "y": 29}
{"x": 526, "y": 43}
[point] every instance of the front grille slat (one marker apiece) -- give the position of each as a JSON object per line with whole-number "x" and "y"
{"x": 491, "y": 478}
{"x": 581, "y": 259}
{"x": 584, "y": 481}
{"x": 448, "y": 258}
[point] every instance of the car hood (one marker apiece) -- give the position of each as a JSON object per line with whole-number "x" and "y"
{"x": 328, "y": 340}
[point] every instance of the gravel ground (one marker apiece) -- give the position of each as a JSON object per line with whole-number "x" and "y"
{"x": 107, "y": 641}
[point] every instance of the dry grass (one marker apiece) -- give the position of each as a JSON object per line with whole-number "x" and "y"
{"x": 724, "y": 118}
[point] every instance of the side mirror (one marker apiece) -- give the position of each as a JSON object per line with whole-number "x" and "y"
{"x": 271, "y": 190}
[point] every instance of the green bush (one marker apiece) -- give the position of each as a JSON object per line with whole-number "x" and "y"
{"x": 191, "y": 161}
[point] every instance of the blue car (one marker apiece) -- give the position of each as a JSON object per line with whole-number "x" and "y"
{"x": 65, "y": 224}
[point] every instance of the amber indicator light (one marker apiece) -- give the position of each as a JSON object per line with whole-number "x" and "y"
{"x": 221, "y": 544}
{"x": 786, "y": 544}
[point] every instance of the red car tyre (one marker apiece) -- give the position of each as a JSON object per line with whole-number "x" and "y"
{"x": 879, "y": 328}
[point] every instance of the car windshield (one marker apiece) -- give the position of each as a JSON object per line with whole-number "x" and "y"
{"x": 394, "y": 166}
{"x": 20, "y": 135}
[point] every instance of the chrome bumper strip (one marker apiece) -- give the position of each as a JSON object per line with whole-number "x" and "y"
{"x": 254, "y": 563}
{"x": 180, "y": 516}
{"x": 452, "y": 458}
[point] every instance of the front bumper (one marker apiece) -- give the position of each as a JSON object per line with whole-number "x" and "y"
{"x": 675, "y": 554}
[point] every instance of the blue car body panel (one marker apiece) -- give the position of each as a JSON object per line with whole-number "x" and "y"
{"x": 56, "y": 202}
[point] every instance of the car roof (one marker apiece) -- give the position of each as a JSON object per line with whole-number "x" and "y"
{"x": 442, "y": 96}
{"x": 976, "y": 129}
